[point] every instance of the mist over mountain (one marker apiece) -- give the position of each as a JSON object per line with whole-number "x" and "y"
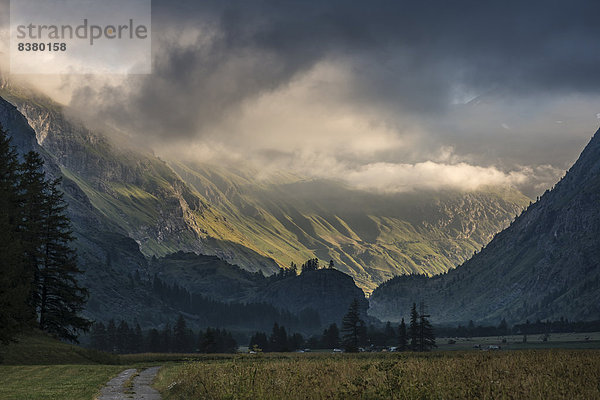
{"x": 266, "y": 222}
{"x": 370, "y": 235}
{"x": 545, "y": 265}
{"x": 129, "y": 208}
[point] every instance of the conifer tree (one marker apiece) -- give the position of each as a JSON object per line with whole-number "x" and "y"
{"x": 331, "y": 337}
{"x": 98, "y": 337}
{"x": 166, "y": 339}
{"x": 390, "y": 334}
{"x": 278, "y": 339}
{"x": 60, "y": 298}
{"x": 426, "y": 335}
{"x": 207, "y": 342}
{"x": 123, "y": 343}
{"x": 15, "y": 280}
{"x": 138, "y": 339}
{"x": 353, "y": 328}
{"x": 413, "y": 328}
{"x": 402, "y": 336}
{"x": 153, "y": 344}
{"x": 180, "y": 340}
{"x": 33, "y": 189}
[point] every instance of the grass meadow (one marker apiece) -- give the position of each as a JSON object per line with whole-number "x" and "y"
{"x": 54, "y": 382}
{"x": 527, "y": 374}
{"x": 41, "y": 368}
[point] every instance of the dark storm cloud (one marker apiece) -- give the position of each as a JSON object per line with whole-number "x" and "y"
{"x": 547, "y": 44}
{"x": 408, "y": 55}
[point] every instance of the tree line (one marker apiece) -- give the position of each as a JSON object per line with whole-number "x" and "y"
{"x": 124, "y": 338}
{"x": 38, "y": 267}
{"x": 353, "y": 336}
{"x": 312, "y": 264}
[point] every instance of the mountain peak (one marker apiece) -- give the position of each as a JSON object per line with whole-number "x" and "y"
{"x": 546, "y": 264}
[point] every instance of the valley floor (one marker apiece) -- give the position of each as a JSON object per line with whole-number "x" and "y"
{"x": 527, "y": 374}
{"x": 530, "y": 374}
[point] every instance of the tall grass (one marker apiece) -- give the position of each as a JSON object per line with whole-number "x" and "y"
{"x": 54, "y": 382}
{"x": 547, "y": 374}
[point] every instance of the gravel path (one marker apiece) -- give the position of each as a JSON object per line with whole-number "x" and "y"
{"x": 140, "y": 390}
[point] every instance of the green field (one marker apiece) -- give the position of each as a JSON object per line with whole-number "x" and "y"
{"x": 54, "y": 382}
{"x": 69, "y": 372}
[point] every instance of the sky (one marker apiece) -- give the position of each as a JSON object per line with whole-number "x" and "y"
{"x": 384, "y": 95}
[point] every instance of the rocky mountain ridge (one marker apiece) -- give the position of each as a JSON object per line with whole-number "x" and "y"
{"x": 545, "y": 265}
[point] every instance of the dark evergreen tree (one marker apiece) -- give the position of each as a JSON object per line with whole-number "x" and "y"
{"x": 402, "y": 336}
{"x": 413, "y": 328}
{"x": 180, "y": 336}
{"x": 353, "y": 329}
{"x": 216, "y": 341}
{"x": 137, "y": 345}
{"x": 123, "y": 344}
{"x": 98, "y": 337}
{"x": 278, "y": 339}
{"x": 363, "y": 338}
{"x": 331, "y": 337}
{"x": 15, "y": 277}
{"x": 61, "y": 299}
{"x": 295, "y": 341}
{"x": 426, "y": 334}
{"x": 390, "y": 335}
{"x": 207, "y": 341}
{"x": 33, "y": 192}
{"x": 227, "y": 343}
{"x": 310, "y": 265}
{"x": 330, "y": 266}
{"x": 153, "y": 343}
{"x": 166, "y": 339}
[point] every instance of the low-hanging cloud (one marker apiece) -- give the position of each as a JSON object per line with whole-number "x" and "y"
{"x": 430, "y": 175}
{"x": 377, "y": 91}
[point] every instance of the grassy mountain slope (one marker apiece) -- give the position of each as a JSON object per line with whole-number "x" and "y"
{"x": 259, "y": 223}
{"x": 37, "y": 348}
{"x": 371, "y": 236}
{"x": 106, "y": 252}
{"x": 136, "y": 193}
{"x": 545, "y": 265}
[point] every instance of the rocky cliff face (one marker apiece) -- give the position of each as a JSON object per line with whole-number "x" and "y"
{"x": 137, "y": 193}
{"x": 545, "y": 265}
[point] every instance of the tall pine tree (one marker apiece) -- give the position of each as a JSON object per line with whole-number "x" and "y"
{"x": 60, "y": 297}
{"x": 402, "y": 336}
{"x": 352, "y": 328}
{"x": 413, "y": 328}
{"x": 180, "y": 336}
{"x": 15, "y": 280}
{"x": 33, "y": 190}
{"x": 426, "y": 335}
